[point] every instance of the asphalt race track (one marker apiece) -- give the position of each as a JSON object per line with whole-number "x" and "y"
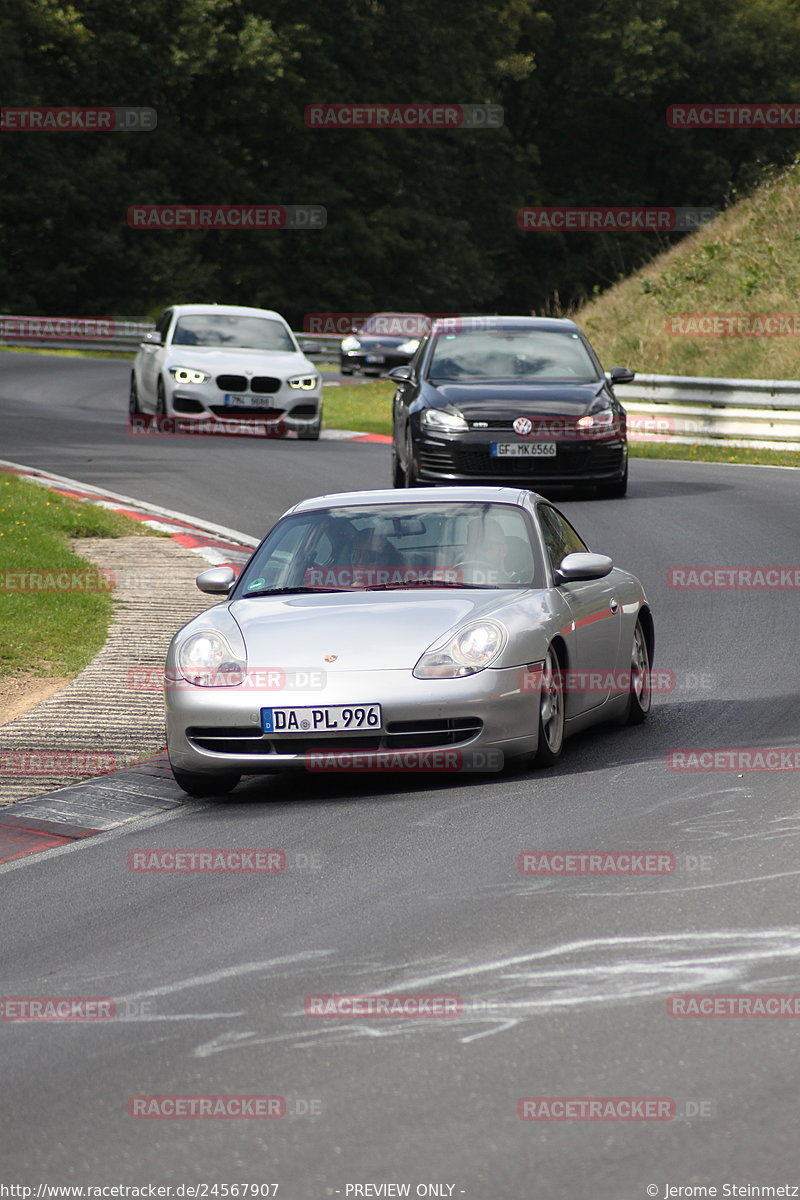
{"x": 404, "y": 884}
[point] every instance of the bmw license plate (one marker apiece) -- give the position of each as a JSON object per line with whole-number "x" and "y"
{"x": 243, "y": 401}
{"x": 375, "y": 358}
{"x": 523, "y": 449}
{"x": 326, "y": 718}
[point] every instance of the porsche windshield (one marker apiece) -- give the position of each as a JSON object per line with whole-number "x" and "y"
{"x": 512, "y": 355}
{"x": 231, "y": 332}
{"x": 396, "y": 546}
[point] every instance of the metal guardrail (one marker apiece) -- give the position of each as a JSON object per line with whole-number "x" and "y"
{"x": 761, "y": 413}
{"x": 111, "y": 333}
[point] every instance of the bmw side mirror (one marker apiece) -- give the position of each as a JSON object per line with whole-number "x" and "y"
{"x": 216, "y": 581}
{"x": 575, "y": 568}
{"x": 621, "y": 375}
{"x": 310, "y": 348}
{"x": 153, "y": 338}
{"x": 401, "y": 374}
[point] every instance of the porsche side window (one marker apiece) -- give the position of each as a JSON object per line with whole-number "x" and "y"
{"x": 559, "y": 536}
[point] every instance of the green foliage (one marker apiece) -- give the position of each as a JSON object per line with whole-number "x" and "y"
{"x": 416, "y": 219}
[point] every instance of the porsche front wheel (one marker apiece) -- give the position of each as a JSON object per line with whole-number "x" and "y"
{"x": 551, "y": 712}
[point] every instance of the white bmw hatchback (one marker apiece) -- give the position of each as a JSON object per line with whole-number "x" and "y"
{"x": 217, "y": 363}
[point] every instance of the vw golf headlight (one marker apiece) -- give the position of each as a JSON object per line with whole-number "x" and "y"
{"x": 350, "y": 343}
{"x": 440, "y": 419}
{"x": 206, "y": 660}
{"x": 472, "y": 649}
{"x": 188, "y": 375}
{"x": 600, "y": 419}
{"x": 306, "y": 382}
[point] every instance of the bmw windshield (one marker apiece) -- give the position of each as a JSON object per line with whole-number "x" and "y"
{"x": 227, "y": 332}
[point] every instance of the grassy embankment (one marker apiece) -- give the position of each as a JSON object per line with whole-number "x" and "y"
{"x": 51, "y": 632}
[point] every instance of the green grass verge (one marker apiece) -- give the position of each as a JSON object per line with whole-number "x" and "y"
{"x": 50, "y": 632}
{"x": 745, "y": 261}
{"x": 715, "y": 454}
{"x": 367, "y": 407}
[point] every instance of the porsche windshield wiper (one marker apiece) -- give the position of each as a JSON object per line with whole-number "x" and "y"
{"x": 284, "y": 591}
{"x": 421, "y": 587}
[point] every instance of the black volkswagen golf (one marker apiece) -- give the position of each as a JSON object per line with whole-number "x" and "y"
{"x": 511, "y": 400}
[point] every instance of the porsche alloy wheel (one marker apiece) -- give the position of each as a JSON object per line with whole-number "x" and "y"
{"x": 551, "y": 712}
{"x": 641, "y": 696}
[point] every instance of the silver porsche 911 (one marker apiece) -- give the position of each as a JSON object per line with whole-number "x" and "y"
{"x": 450, "y": 628}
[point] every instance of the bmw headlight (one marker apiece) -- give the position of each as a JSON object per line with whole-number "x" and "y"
{"x": 409, "y": 347}
{"x": 206, "y": 660}
{"x": 188, "y": 375}
{"x": 306, "y": 382}
{"x": 441, "y": 419}
{"x": 350, "y": 343}
{"x": 472, "y": 649}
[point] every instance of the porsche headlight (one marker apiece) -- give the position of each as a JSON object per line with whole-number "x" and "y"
{"x": 306, "y": 382}
{"x": 206, "y": 660}
{"x": 471, "y": 650}
{"x": 440, "y": 419}
{"x": 188, "y": 375}
{"x": 409, "y": 347}
{"x": 350, "y": 343}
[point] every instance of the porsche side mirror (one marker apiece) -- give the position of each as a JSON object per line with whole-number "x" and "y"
{"x": 575, "y": 568}
{"x": 216, "y": 581}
